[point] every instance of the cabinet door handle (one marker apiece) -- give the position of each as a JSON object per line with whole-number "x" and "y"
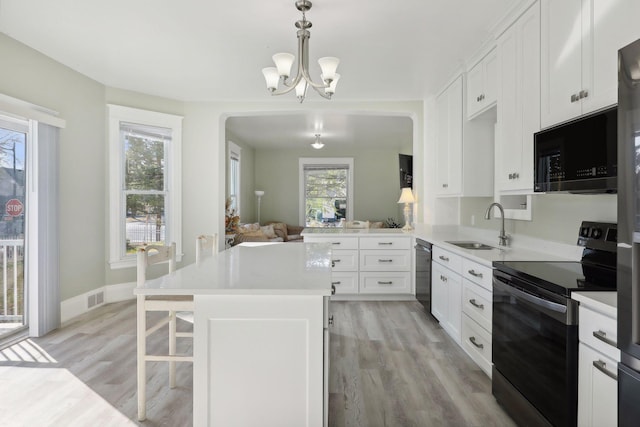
{"x": 385, "y": 243}
{"x": 331, "y": 320}
{"x": 574, "y": 98}
{"x": 473, "y": 273}
{"x": 335, "y": 243}
{"x": 444, "y": 258}
{"x": 385, "y": 260}
{"x": 602, "y": 367}
{"x": 385, "y": 283}
{"x": 475, "y": 304}
{"x": 602, "y": 336}
{"x": 479, "y": 345}
{"x": 443, "y": 278}
{"x": 333, "y": 288}
{"x": 583, "y": 94}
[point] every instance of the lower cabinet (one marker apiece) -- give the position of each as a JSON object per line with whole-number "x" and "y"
{"x": 374, "y": 264}
{"x": 462, "y": 301}
{"x": 598, "y": 360}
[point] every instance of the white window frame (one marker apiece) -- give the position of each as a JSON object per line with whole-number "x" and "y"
{"x": 173, "y": 171}
{"x": 325, "y": 161}
{"x": 235, "y": 151}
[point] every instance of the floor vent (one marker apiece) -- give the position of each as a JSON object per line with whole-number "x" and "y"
{"x": 95, "y": 299}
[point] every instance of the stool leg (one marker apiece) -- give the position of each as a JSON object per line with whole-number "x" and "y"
{"x": 141, "y": 353}
{"x": 172, "y": 348}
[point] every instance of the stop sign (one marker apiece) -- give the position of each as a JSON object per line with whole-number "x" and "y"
{"x": 14, "y": 207}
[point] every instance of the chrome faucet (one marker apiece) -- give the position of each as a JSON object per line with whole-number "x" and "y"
{"x": 503, "y": 238}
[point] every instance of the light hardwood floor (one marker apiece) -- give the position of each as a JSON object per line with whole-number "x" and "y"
{"x": 391, "y": 365}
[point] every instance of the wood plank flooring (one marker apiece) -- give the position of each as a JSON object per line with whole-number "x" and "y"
{"x": 391, "y": 365}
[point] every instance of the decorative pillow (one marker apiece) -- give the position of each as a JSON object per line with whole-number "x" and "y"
{"x": 248, "y": 228}
{"x": 268, "y": 231}
{"x": 376, "y": 224}
{"x": 258, "y": 233}
{"x": 280, "y": 228}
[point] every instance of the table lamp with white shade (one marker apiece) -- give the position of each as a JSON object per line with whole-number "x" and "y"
{"x": 407, "y": 198}
{"x": 259, "y": 193}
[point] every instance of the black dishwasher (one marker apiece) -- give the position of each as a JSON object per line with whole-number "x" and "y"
{"x": 423, "y": 273}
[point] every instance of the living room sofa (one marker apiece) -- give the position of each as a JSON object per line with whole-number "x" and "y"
{"x": 270, "y": 232}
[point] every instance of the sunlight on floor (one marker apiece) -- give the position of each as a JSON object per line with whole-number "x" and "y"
{"x": 25, "y": 351}
{"x": 52, "y": 397}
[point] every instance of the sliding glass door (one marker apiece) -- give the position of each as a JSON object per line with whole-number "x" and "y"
{"x": 13, "y": 146}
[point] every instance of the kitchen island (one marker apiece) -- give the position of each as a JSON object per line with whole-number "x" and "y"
{"x": 260, "y": 334}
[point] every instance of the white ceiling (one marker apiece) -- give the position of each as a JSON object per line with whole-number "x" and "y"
{"x": 196, "y": 50}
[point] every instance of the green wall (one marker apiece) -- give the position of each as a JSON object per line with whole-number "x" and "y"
{"x": 376, "y": 182}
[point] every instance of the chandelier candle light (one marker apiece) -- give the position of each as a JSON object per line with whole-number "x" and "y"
{"x": 302, "y": 80}
{"x": 407, "y": 198}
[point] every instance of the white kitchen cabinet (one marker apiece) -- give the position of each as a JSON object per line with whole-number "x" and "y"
{"x": 598, "y": 360}
{"x": 580, "y": 41}
{"x": 369, "y": 265}
{"x": 449, "y": 140}
{"x": 518, "y": 58}
{"x": 464, "y": 148}
{"x": 481, "y": 85}
{"x": 446, "y": 300}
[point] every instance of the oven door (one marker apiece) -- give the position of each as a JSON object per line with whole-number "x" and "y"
{"x": 535, "y": 346}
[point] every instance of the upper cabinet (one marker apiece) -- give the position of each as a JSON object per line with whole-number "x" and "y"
{"x": 464, "y": 149}
{"x": 518, "y": 59}
{"x": 481, "y": 85}
{"x": 580, "y": 41}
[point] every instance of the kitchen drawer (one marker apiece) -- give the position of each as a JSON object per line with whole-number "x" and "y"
{"x": 337, "y": 242}
{"x": 477, "y": 343}
{"x": 345, "y": 283}
{"x": 385, "y": 243}
{"x": 594, "y": 328}
{"x": 344, "y": 260}
{"x": 385, "y": 260}
{"x": 385, "y": 282}
{"x": 477, "y": 303}
{"x": 448, "y": 259}
{"x": 477, "y": 273}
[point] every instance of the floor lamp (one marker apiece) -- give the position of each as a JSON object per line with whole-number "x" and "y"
{"x": 259, "y": 193}
{"x": 407, "y": 198}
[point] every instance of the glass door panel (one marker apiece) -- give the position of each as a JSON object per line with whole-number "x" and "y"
{"x": 13, "y": 143}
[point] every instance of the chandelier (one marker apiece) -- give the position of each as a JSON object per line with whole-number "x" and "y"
{"x": 302, "y": 80}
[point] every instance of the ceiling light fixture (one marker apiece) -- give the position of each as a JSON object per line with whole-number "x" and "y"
{"x": 317, "y": 145}
{"x": 302, "y": 80}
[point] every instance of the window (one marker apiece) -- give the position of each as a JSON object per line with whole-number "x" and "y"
{"x": 234, "y": 177}
{"x": 326, "y": 191}
{"x": 145, "y": 199}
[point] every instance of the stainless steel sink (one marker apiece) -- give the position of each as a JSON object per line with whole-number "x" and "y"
{"x": 472, "y": 245}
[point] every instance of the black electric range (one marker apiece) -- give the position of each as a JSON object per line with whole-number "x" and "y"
{"x": 596, "y": 271}
{"x": 535, "y": 328}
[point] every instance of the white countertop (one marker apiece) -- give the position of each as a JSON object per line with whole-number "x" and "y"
{"x": 275, "y": 269}
{"x": 364, "y": 232}
{"x": 441, "y": 237}
{"x": 603, "y": 302}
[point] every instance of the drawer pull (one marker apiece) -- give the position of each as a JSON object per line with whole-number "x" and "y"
{"x": 443, "y": 278}
{"x": 473, "y": 341}
{"x": 380, "y": 282}
{"x": 473, "y": 273}
{"x": 335, "y": 243}
{"x": 444, "y": 258}
{"x": 602, "y": 336}
{"x": 337, "y": 260}
{"x": 336, "y": 283}
{"x": 602, "y": 367}
{"x": 385, "y": 260}
{"x": 385, "y": 243}
{"x": 475, "y": 304}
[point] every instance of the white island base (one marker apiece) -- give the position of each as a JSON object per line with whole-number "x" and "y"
{"x": 260, "y": 360}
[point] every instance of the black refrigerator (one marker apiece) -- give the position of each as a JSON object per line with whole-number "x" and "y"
{"x": 628, "y": 274}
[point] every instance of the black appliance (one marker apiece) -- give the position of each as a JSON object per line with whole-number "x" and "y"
{"x": 423, "y": 273}
{"x": 579, "y": 156}
{"x": 629, "y": 234}
{"x": 535, "y": 328}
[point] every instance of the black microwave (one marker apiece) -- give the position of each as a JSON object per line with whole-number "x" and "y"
{"x": 579, "y": 156}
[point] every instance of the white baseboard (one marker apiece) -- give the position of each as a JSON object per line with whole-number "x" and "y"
{"x": 78, "y": 305}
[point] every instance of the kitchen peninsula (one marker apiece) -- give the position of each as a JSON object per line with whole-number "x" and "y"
{"x": 260, "y": 333}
